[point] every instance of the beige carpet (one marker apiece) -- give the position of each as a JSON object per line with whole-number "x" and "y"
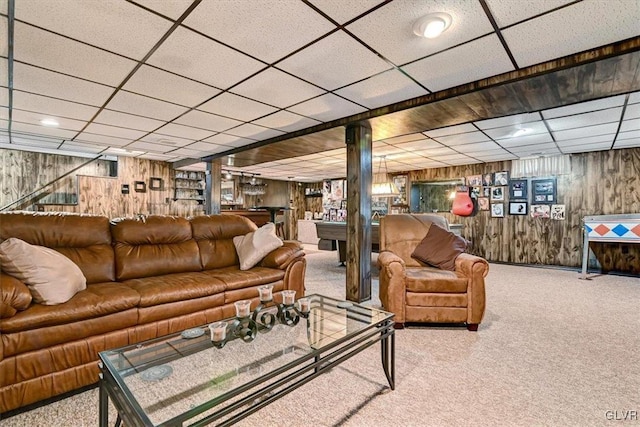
{"x": 552, "y": 350}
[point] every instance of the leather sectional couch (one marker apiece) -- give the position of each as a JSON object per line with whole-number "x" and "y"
{"x": 146, "y": 277}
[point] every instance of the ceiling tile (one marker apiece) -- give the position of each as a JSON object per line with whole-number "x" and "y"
{"x": 211, "y": 122}
{"x": 478, "y": 147}
{"x": 497, "y": 157}
{"x": 327, "y": 107}
{"x": 143, "y": 106}
{"x": 150, "y": 147}
{"x": 451, "y": 130}
{"x": 386, "y": 88}
{"x": 342, "y": 11}
{"x": 586, "y": 119}
{"x": 208, "y": 147}
{"x": 115, "y": 118}
{"x": 505, "y": 13}
{"x": 238, "y": 107}
{"x": 508, "y": 120}
{"x": 581, "y": 26}
{"x": 172, "y": 141}
{"x": 169, "y": 87}
{"x": 388, "y": 30}
{"x": 632, "y": 111}
{"x": 4, "y": 113}
{"x": 462, "y": 138}
{"x": 4, "y": 96}
{"x": 36, "y": 80}
{"x": 525, "y": 140}
{"x": 586, "y": 131}
{"x": 82, "y": 147}
{"x": 629, "y": 125}
{"x": 4, "y": 47}
{"x": 584, "y": 107}
{"x": 188, "y": 132}
{"x": 319, "y": 65}
{"x": 116, "y": 151}
{"x": 473, "y": 61}
{"x": 256, "y": 132}
{"x": 514, "y": 131}
{"x": 588, "y": 140}
{"x": 42, "y": 130}
{"x": 34, "y": 119}
{"x": 53, "y": 52}
{"x": 4, "y": 67}
{"x": 277, "y": 88}
{"x": 173, "y": 9}
{"x": 633, "y": 134}
{"x": 634, "y": 98}
{"x": 160, "y": 157}
{"x": 192, "y": 55}
{"x": 229, "y": 140}
{"x": 114, "y": 131}
{"x": 51, "y": 106}
{"x": 422, "y": 144}
{"x": 282, "y": 27}
{"x": 286, "y": 121}
{"x": 627, "y": 143}
{"x": 42, "y": 143}
{"x": 436, "y": 151}
{"x": 120, "y": 27}
{"x": 587, "y": 147}
{"x": 102, "y": 139}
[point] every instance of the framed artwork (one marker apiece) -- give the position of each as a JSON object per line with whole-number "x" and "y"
{"x": 517, "y": 208}
{"x": 497, "y": 193}
{"x": 543, "y": 191}
{"x": 155, "y": 183}
{"x": 124, "y": 189}
{"x": 140, "y": 186}
{"x": 518, "y": 189}
{"x": 474, "y": 180}
{"x": 497, "y": 210}
{"x": 476, "y": 192}
{"x": 483, "y": 203}
{"x": 486, "y": 191}
{"x": 540, "y": 211}
{"x": 401, "y": 182}
{"x": 487, "y": 179}
{"x": 337, "y": 189}
{"x": 501, "y": 178}
{"x": 558, "y": 212}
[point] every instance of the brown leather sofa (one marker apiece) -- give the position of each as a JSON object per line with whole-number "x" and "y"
{"x": 146, "y": 277}
{"x": 416, "y": 292}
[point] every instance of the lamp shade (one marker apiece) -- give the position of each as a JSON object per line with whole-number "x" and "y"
{"x": 382, "y": 185}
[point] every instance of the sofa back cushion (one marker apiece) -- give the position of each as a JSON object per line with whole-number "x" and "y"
{"x": 84, "y": 239}
{"x": 215, "y": 233}
{"x": 153, "y": 246}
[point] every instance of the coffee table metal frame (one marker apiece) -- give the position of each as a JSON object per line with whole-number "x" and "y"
{"x": 258, "y": 392}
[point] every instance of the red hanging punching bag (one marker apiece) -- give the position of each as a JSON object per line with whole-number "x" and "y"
{"x": 462, "y": 202}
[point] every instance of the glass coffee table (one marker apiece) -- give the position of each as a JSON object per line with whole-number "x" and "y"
{"x": 188, "y": 378}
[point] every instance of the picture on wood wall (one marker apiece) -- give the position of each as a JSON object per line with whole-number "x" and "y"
{"x": 124, "y": 189}
{"x": 558, "y": 212}
{"x": 518, "y": 189}
{"x": 487, "y": 179}
{"x": 497, "y": 193}
{"x": 501, "y": 178}
{"x": 517, "y": 208}
{"x": 540, "y": 211}
{"x": 140, "y": 186}
{"x": 543, "y": 190}
{"x": 486, "y": 191}
{"x": 483, "y": 203}
{"x": 497, "y": 210}
{"x": 474, "y": 180}
{"x": 155, "y": 183}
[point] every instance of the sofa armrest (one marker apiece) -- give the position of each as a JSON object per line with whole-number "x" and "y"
{"x": 392, "y": 284}
{"x": 15, "y": 296}
{"x": 283, "y": 256}
{"x": 475, "y": 269}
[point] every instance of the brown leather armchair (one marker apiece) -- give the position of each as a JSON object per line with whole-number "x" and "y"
{"x": 416, "y": 292}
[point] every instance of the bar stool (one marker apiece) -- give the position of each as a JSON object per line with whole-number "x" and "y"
{"x": 280, "y": 229}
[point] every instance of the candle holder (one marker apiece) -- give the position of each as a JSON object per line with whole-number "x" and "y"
{"x": 246, "y": 324}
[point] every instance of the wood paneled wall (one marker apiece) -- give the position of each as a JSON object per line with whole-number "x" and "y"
{"x": 599, "y": 183}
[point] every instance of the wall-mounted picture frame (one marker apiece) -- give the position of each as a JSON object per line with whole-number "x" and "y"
{"x": 518, "y": 189}
{"x": 543, "y": 191}
{"x": 540, "y": 211}
{"x": 501, "y": 178}
{"x": 139, "y": 186}
{"x": 497, "y": 210}
{"x": 497, "y": 194}
{"x": 518, "y": 208}
{"x": 483, "y": 203}
{"x": 474, "y": 180}
{"x": 486, "y": 191}
{"x": 487, "y": 179}
{"x": 558, "y": 212}
{"x": 124, "y": 189}
{"x": 155, "y": 183}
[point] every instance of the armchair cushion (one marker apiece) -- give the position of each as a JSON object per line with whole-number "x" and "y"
{"x": 440, "y": 248}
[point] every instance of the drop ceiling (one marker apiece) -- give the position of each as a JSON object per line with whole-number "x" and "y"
{"x": 267, "y": 86}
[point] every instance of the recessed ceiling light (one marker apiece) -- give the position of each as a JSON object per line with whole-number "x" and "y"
{"x": 432, "y": 25}
{"x": 49, "y": 122}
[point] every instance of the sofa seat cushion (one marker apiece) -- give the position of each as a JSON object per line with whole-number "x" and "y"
{"x": 174, "y": 287}
{"x": 99, "y": 299}
{"x": 429, "y": 279}
{"x": 234, "y": 278}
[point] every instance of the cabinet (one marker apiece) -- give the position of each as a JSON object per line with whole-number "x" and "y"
{"x": 190, "y": 185}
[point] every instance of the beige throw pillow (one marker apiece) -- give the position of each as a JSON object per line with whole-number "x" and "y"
{"x": 254, "y": 246}
{"x": 51, "y": 277}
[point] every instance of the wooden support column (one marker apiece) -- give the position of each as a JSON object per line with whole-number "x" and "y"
{"x": 358, "y": 139}
{"x": 212, "y": 191}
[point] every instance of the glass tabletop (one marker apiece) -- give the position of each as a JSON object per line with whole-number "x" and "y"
{"x": 185, "y": 373}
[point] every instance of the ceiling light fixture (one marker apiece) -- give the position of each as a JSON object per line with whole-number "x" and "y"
{"x": 382, "y": 185}
{"x": 228, "y": 175}
{"x": 432, "y": 25}
{"x": 49, "y": 122}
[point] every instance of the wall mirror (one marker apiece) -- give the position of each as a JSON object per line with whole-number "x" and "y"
{"x": 227, "y": 192}
{"x": 433, "y": 196}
